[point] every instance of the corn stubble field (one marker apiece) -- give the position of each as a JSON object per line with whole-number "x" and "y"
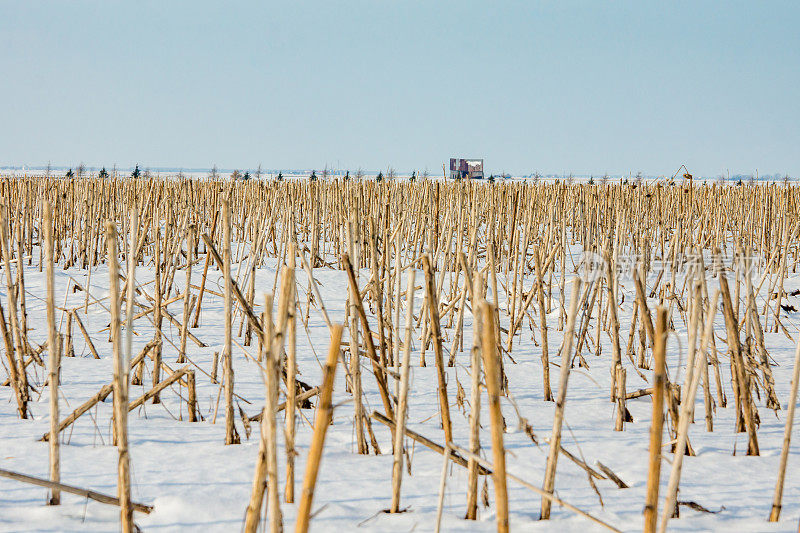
{"x": 395, "y": 355}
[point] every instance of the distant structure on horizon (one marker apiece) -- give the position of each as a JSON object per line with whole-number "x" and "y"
{"x": 466, "y": 168}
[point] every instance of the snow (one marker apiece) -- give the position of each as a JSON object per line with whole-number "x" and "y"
{"x": 196, "y": 482}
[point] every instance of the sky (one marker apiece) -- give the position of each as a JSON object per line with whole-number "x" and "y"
{"x": 550, "y": 87}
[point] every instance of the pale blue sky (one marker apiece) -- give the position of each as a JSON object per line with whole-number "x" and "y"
{"x": 582, "y": 87}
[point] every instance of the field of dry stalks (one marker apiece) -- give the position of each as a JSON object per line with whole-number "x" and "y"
{"x": 395, "y": 355}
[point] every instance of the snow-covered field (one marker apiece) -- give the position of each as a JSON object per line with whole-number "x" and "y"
{"x": 196, "y": 482}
